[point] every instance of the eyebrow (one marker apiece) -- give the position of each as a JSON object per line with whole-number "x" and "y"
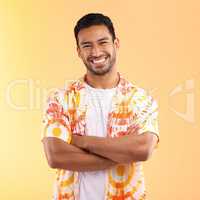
{"x": 104, "y": 38}
{"x": 99, "y": 40}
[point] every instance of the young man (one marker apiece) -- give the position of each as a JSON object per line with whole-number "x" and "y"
{"x": 99, "y": 129}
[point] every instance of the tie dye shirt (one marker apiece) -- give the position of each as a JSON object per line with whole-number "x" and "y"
{"x": 65, "y": 115}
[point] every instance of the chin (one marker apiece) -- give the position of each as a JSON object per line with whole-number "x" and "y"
{"x": 99, "y": 71}
{"x": 102, "y": 72}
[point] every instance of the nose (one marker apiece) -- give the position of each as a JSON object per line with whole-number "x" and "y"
{"x": 95, "y": 51}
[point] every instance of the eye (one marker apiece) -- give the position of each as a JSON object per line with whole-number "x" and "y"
{"x": 103, "y": 42}
{"x": 86, "y": 46}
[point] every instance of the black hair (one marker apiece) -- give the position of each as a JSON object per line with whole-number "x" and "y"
{"x": 94, "y": 19}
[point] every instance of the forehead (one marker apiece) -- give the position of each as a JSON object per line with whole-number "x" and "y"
{"x": 93, "y": 33}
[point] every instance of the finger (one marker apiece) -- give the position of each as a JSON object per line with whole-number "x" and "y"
{"x": 131, "y": 127}
{"x": 135, "y": 130}
{"x": 134, "y": 126}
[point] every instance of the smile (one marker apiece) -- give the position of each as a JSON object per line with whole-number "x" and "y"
{"x": 98, "y": 60}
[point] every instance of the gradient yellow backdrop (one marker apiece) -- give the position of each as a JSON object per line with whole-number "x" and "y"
{"x": 159, "y": 51}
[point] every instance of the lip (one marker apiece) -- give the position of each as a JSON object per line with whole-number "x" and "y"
{"x": 98, "y": 62}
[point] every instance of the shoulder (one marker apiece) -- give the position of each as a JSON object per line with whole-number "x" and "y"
{"x": 140, "y": 97}
{"x": 132, "y": 88}
{"x": 68, "y": 94}
{"x": 56, "y": 95}
{"x": 70, "y": 86}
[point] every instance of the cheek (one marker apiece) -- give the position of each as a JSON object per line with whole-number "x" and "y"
{"x": 112, "y": 50}
{"x": 83, "y": 55}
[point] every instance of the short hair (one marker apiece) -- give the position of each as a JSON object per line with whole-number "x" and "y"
{"x": 92, "y": 19}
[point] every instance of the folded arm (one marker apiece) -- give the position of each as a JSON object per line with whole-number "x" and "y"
{"x": 124, "y": 149}
{"x": 62, "y": 155}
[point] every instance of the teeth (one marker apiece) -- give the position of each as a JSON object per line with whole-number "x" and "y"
{"x": 99, "y": 61}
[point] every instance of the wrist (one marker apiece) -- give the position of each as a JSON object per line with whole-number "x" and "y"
{"x": 79, "y": 141}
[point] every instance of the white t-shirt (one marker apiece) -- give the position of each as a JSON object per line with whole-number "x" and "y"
{"x": 92, "y": 184}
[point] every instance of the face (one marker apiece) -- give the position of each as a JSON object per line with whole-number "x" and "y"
{"x": 97, "y": 49}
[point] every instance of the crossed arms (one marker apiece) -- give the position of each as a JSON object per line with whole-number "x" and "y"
{"x": 90, "y": 153}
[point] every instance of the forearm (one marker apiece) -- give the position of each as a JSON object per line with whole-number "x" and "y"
{"x": 123, "y": 149}
{"x": 83, "y": 162}
{"x": 65, "y": 156}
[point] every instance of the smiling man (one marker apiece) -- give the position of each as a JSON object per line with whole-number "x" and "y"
{"x": 99, "y": 129}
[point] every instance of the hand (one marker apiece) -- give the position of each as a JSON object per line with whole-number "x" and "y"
{"x": 133, "y": 129}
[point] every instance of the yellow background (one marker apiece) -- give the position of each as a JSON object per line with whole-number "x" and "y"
{"x": 159, "y": 51}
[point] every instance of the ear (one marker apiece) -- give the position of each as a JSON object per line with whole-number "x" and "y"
{"x": 78, "y": 51}
{"x": 116, "y": 43}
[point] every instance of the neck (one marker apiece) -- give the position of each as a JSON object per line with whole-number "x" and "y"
{"x": 109, "y": 80}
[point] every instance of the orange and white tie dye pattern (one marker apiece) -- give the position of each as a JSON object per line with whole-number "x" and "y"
{"x": 65, "y": 115}
{"x": 56, "y": 122}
